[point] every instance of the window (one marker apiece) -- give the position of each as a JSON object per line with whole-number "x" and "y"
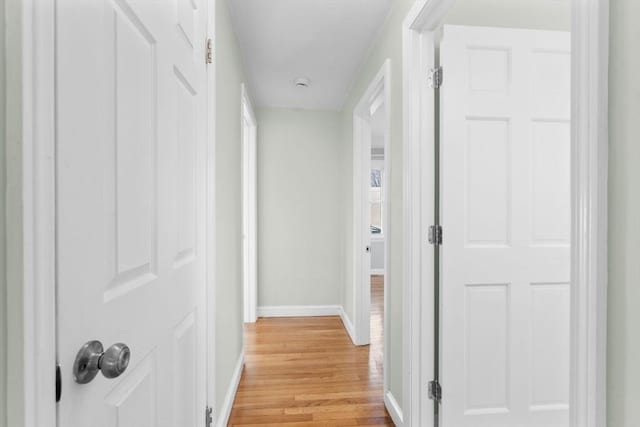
{"x": 375, "y": 200}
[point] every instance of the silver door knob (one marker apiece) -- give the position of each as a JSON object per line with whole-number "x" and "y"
{"x": 92, "y": 359}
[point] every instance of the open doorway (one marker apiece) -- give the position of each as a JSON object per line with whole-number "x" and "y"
{"x": 377, "y": 215}
{"x": 249, "y": 208}
{"x": 371, "y": 219}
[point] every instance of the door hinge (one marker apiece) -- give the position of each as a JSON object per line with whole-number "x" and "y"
{"x": 435, "y": 391}
{"x": 209, "y": 52}
{"x": 435, "y": 77}
{"x": 435, "y": 234}
{"x": 208, "y": 416}
{"x": 58, "y": 383}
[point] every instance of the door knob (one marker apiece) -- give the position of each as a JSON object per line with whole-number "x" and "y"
{"x": 92, "y": 358}
{"x": 368, "y": 248}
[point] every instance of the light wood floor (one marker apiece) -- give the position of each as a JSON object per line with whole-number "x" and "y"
{"x": 307, "y": 372}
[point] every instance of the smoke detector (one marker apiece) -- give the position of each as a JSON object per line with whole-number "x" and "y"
{"x": 302, "y": 82}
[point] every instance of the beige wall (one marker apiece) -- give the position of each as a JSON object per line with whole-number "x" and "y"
{"x": 299, "y": 208}
{"x": 624, "y": 217}
{"x": 229, "y": 76}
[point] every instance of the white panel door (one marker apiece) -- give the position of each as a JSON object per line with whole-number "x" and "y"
{"x": 365, "y": 174}
{"x": 505, "y": 186}
{"x": 131, "y": 134}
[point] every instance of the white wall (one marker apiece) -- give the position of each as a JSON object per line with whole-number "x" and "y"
{"x": 299, "y": 208}
{"x": 229, "y": 300}
{"x": 624, "y": 217}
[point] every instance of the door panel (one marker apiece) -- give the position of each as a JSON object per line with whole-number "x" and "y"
{"x": 487, "y": 155}
{"x": 133, "y": 402}
{"x": 131, "y": 134}
{"x": 505, "y": 191}
{"x": 486, "y": 310}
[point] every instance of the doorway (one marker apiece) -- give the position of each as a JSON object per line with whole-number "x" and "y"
{"x": 504, "y": 186}
{"x": 371, "y": 156}
{"x": 551, "y": 185}
{"x": 131, "y": 214}
{"x": 249, "y": 208}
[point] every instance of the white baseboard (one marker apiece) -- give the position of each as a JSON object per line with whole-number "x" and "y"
{"x": 298, "y": 310}
{"x": 377, "y": 271}
{"x": 225, "y": 412}
{"x": 393, "y": 408}
{"x": 348, "y": 325}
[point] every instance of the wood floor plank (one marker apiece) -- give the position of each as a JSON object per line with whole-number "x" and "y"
{"x": 306, "y": 372}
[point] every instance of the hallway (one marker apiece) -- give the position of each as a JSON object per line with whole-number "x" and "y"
{"x": 307, "y": 372}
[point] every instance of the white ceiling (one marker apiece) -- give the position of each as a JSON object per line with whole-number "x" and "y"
{"x": 324, "y": 40}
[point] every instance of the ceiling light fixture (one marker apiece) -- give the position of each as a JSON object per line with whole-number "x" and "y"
{"x": 302, "y": 82}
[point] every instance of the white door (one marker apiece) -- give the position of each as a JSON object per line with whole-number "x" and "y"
{"x": 365, "y": 190}
{"x": 131, "y": 132}
{"x": 505, "y": 186}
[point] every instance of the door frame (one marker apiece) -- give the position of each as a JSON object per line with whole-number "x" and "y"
{"x": 589, "y": 168}
{"x": 378, "y": 90}
{"x": 38, "y": 214}
{"x": 249, "y": 205}
{"x": 38, "y": 322}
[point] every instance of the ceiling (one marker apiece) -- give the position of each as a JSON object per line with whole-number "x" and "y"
{"x": 323, "y": 40}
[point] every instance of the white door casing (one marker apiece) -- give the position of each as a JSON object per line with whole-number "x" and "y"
{"x": 377, "y": 96}
{"x": 249, "y": 207}
{"x": 362, "y": 228}
{"x": 506, "y": 209}
{"x": 131, "y": 118}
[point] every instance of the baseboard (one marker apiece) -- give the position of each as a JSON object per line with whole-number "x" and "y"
{"x": 393, "y": 408}
{"x": 298, "y": 310}
{"x": 377, "y": 271}
{"x": 225, "y": 411}
{"x": 348, "y": 325}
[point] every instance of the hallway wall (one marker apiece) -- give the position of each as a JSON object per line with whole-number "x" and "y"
{"x": 624, "y": 213}
{"x": 300, "y": 255}
{"x": 229, "y": 302}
